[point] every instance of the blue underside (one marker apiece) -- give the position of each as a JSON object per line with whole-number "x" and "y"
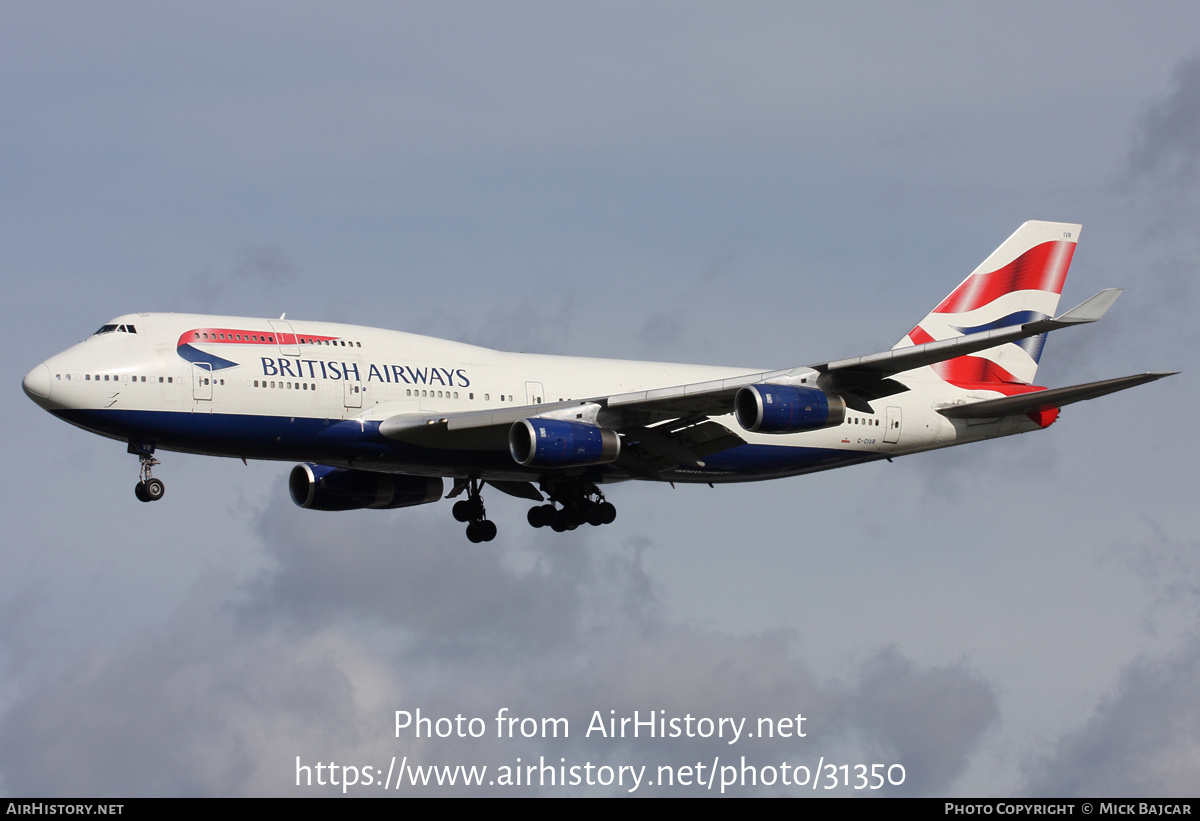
{"x": 351, "y": 442}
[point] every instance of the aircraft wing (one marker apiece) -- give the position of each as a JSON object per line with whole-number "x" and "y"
{"x": 666, "y": 422}
{"x": 867, "y": 375}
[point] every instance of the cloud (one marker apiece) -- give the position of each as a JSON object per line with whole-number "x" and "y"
{"x": 1167, "y": 147}
{"x": 363, "y": 615}
{"x": 267, "y": 266}
{"x": 1143, "y": 740}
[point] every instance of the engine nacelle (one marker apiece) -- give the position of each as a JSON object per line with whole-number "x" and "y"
{"x": 556, "y": 443}
{"x": 320, "y": 487}
{"x": 787, "y": 408}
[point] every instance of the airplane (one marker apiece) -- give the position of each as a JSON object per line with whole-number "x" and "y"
{"x": 380, "y": 418}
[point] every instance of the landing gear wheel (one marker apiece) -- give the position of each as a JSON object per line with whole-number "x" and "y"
{"x": 148, "y": 489}
{"x": 581, "y": 503}
{"x": 463, "y": 511}
{"x": 471, "y": 510}
{"x": 481, "y": 531}
{"x": 607, "y": 512}
{"x": 541, "y": 516}
{"x": 153, "y": 489}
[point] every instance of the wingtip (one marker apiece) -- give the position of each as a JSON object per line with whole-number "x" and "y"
{"x": 1093, "y": 308}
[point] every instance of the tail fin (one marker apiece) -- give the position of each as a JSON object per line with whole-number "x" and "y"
{"x": 1020, "y": 282}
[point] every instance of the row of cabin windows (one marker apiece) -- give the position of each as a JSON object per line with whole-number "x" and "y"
{"x": 202, "y": 335}
{"x": 269, "y": 384}
{"x": 87, "y": 377}
{"x": 436, "y": 394}
{"x": 343, "y": 343}
{"x": 857, "y": 421}
{"x": 232, "y": 337}
{"x": 307, "y": 386}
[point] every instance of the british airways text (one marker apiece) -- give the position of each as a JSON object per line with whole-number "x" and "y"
{"x": 397, "y": 374}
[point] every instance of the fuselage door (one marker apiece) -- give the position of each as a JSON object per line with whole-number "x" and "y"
{"x": 892, "y": 434}
{"x": 353, "y": 389}
{"x": 534, "y": 395}
{"x": 202, "y": 381}
{"x": 285, "y": 337}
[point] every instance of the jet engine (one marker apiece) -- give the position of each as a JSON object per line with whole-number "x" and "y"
{"x": 320, "y": 487}
{"x": 787, "y": 408}
{"x": 556, "y": 443}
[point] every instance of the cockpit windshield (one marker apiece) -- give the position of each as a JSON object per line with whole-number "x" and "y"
{"x": 123, "y": 329}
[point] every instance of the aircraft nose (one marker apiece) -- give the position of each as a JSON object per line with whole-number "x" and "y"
{"x": 37, "y": 384}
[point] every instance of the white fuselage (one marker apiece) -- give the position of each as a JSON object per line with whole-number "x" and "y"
{"x": 284, "y": 389}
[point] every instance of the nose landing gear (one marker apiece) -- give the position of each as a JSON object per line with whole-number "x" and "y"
{"x": 148, "y": 489}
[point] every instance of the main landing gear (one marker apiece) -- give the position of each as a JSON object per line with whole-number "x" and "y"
{"x": 148, "y": 489}
{"x": 471, "y": 510}
{"x": 582, "y": 503}
{"x": 572, "y": 503}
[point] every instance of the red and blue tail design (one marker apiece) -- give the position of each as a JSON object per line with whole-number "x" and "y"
{"x": 1020, "y": 282}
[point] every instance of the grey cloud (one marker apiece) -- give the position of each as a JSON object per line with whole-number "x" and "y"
{"x": 541, "y": 321}
{"x": 1143, "y": 740}
{"x": 267, "y": 266}
{"x": 1167, "y": 147}
{"x": 363, "y": 615}
{"x": 667, "y": 332}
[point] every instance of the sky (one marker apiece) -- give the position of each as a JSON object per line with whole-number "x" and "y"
{"x": 765, "y": 186}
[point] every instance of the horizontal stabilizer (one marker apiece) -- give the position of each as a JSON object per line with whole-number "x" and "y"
{"x": 898, "y": 360}
{"x": 1045, "y": 400}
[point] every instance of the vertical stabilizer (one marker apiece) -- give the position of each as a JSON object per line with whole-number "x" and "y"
{"x": 1020, "y": 282}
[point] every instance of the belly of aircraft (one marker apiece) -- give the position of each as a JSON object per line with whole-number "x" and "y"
{"x": 353, "y": 443}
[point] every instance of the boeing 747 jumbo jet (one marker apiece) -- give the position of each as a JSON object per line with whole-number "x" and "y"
{"x": 378, "y": 419}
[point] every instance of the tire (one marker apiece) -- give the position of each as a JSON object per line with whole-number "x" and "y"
{"x": 154, "y": 490}
{"x": 608, "y": 513}
{"x": 139, "y": 490}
